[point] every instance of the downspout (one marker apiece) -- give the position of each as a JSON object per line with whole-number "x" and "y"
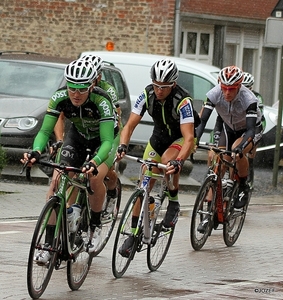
{"x": 177, "y": 29}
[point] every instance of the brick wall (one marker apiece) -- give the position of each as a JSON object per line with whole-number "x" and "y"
{"x": 67, "y": 27}
{"x": 253, "y": 9}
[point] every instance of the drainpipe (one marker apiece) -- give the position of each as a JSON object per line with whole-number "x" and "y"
{"x": 177, "y": 29}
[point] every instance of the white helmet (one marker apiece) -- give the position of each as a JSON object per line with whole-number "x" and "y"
{"x": 96, "y": 60}
{"x": 231, "y": 75}
{"x": 80, "y": 72}
{"x": 164, "y": 70}
{"x": 248, "y": 80}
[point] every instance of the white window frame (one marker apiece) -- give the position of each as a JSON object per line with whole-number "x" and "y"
{"x": 198, "y": 29}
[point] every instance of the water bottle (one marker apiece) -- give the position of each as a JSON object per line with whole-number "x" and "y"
{"x": 73, "y": 214}
{"x": 151, "y": 207}
{"x": 157, "y": 202}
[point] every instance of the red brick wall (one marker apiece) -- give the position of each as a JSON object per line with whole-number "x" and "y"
{"x": 66, "y": 28}
{"x": 253, "y": 9}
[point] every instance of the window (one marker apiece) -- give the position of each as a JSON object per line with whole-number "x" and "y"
{"x": 196, "y": 85}
{"x": 197, "y": 43}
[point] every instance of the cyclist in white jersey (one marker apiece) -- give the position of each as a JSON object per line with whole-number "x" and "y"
{"x": 238, "y": 126}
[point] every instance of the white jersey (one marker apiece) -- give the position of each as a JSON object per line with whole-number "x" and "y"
{"x": 233, "y": 113}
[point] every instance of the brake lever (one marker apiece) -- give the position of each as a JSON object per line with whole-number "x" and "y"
{"x": 24, "y": 167}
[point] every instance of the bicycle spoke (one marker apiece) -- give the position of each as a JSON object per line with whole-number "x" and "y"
{"x": 161, "y": 240}
{"x": 235, "y": 221}
{"x": 78, "y": 266}
{"x": 120, "y": 263}
{"x": 39, "y": 271}
{"x": 108, "y": 222}
{"x": 202, "y": 216}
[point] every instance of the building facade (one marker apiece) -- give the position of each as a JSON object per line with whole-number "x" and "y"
{"x": 233, "y": 33}
{"x": 218, "y": 32}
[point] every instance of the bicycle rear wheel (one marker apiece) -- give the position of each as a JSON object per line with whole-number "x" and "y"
{"x": 39, "y": 273}
{"x": 202, "y": 216}
{"x": 160, "y": 240}
{"x": 121, "y": 263}
{"x": 108, "y": 222}
{"x": 235, "y": 219}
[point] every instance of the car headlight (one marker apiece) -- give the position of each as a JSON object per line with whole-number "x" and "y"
{"x": 26, "y": 123}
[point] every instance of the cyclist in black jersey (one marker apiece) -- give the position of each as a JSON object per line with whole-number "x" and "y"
{"x": 94, "y": 126}
{"x": 238, "y": 125}
{"x": 172, "y": 139}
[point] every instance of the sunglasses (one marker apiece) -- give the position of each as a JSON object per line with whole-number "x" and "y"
{"x": 229, "y": 87}
{"x": 162, "y": 87}
{"x": 81, "y": 91}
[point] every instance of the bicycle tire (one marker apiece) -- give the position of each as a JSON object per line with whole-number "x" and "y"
{"x": 39, "y": 274}
{"x": 202, "y": 209}
{"x": 160, "y": 241}
{"x": 235, "y": 219}
{"x": 120, "y": 263}
{"x": 78, "y": 266}
{"x": 109, "y": 223}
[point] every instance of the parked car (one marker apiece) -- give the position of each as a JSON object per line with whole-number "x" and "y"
{"x": 28, "y": 80}
{"x": 196, "y": 77}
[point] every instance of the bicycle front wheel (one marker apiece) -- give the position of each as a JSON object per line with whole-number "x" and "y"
{"x": 120, "y": 262}
{"x": 40, "y": 271}
{"x": 235, "y": 219}
{"x": 160, "y": 240}
{"x": 203, "y": 212}
{"x": 78, "y": 266}
{"x": 108, "y": 221}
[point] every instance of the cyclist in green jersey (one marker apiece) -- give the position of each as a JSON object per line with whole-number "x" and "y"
{"x": 112, "y": 93}
{"x": 94, "y": 126}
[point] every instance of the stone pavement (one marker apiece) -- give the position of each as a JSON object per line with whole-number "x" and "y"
{"x": 249, "y": 270}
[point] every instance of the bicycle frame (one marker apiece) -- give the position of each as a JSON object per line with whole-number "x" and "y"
{"x": 208, "y": 212}
{"x": 146, "y": 176}
{"x": 216, "y": 171}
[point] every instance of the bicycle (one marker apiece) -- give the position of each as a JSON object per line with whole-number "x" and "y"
{"x": 215, "y": 205}
{"x": 71, "y": 247}
{"x": 150, "y": 234}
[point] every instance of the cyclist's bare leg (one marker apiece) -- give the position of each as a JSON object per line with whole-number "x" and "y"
{"x": 97, "y": 184}
{"x": 112, "y": 176}
{"x": 171, "y": 154}
{"x": 243, "y": 163}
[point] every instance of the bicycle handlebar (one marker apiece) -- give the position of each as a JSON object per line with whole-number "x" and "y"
{"x": 147, "y": 162}
{"x": 62, "y": 167}
{"x": 212, "y": 147}
{"x": 221, "y": 151}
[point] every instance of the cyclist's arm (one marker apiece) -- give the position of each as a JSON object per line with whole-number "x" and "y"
{"x": 206, "y": 112}
{"x": 106, "y": 131}
{"x": 218, "y": 124}
{"x": 251, "y": 118}
{"x": 134, "y": 119}
{"x": 44, "y": 133}
{"x": 60, "y": 127}
{"x": 129, "y": 128}
{"x": 187, "y": 131}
